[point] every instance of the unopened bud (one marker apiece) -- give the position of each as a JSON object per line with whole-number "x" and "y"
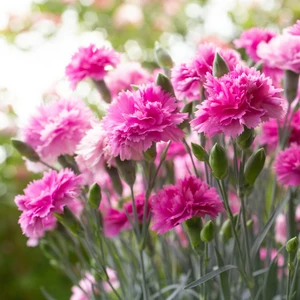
{"x": 292, "y": 245}
{"x": 246, "y": 139}
{"x": 127, "y": 170}
{"x": 115, "y": 179}
{"x": 194, "y": 226}
{"x": 150, "y": 154}
{"x": 218, "y": 162}
{"x": 250, "y": 224}
{"x": 208, "y": 232}
{"x": 254, "y": 165}
{"x": 26, "y": 150}
{"x": 163, "y": 58}
{"x": 226, "y": 229}
{"x": 164, "y": 82}
{"x": 200, "y": 153}
{"x": 259, "y": 66}
{"x": 220, "y": 66}
{"x": 94, "y": 196}
{"x": 291, "y": 80}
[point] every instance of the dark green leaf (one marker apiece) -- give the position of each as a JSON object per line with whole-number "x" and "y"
{"x": 200, "y": 153}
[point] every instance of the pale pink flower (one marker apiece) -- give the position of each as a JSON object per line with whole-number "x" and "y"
{"x": 44, "y": 197}
{"x": 234, "y": 202}
{"x": 295, "y": 29}
{"x": 93, "y": 151}
{"x": 243, "y": 97}
{"x": 282, "y": 52}
{"x": 188, "y": 78}
{"x": 137, "y": 119}
{"x": 280, "y": 229}
{"x": 126, "y": 74}
{"x": 251, "y": 38}
{"x": 287, "y": 166}
{"x": 84, "y": 290}
{"x": 113, "y": 279}
{"x": 175, "y": 204}
{"x": 90, "y": 62}
{"x": 56, "y": 128}
{"x": 176, "y": 149}
{"x": 263, "y": 252}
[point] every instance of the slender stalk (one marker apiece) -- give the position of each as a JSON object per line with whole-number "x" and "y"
{"x": 291, "y": 217}
{"x": 47, "y": 165}
{"x": 135, "y": 216}
{"x": 191, "y": 156}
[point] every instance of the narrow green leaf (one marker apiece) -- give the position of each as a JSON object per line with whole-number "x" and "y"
{"x": 210, "y": 276}
{"x": 46, "y": 294}
{"x": 270, "y": 282}
{"x": 223, "y": 277}
{"x": 266, "y": 229}
{"x": 200, "y": 153}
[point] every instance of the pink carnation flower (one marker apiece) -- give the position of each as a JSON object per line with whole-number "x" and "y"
{"x": 44, "y": 197}
{"x": 280, "y": 229}
{"x": 57, "y": 128}
{"x": 90, "y": 62}
{"x": 188, "y": 78}
{"x": 93, "y": 151}
{"x": 295, "y": 29}
{"x": 124, "y": 76}
{"x": 251, "y": 38}
{"x": 282, "y": 52}
{"x": 137, "y": 119}
{"x": 269, "y": 135}
{"x": 287, "y": 166}
{"x": 241, "y": 97}
{"x": 175, "y": 204}
{"x": 115, "y": 221}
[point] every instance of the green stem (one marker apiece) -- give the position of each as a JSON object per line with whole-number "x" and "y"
{"x": 191, "y": 156}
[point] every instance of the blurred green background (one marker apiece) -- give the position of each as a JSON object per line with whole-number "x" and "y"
{"x": 131, "y": 27}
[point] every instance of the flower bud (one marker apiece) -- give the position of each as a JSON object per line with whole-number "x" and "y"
{"x": 150, "y": 154}
{"x": 103, "y": 90}
{"x": 68, "y": 161}
{"x": 292, "y": 245}
{"x": 115, "y": 179}
{"x": 220, "y": 66}
{"x": 250, "y": 224}
{"x": 218, "y": 162}
{"x": 94, "y": 196}
{"x": 291, "y": 80}
{"x": 25, "y": 150}
{"x": 194, "y": 226}
{"x": 163, "y": 58}
{"x": 245, "y": 140}
{"x": 200, "y": 153}
{"x": 226, "y": 229}
{"x": 69, "y": 221}
{"x": 208, "y": 232}
{"x": 127, "y": 170}
{"x": 164, "y": 82}
{"x": 259, "y": 66}
{"x": 254, "y": 165}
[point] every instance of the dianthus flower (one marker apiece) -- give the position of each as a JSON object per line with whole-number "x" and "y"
{"x": 175, "y": 204}
{"x": 93, "y": 151}
{"x": 56, "y": 128}
{"x": 115, "y": 221}
{"x": 287, "y": 166}
{"x": 282, "y": 52}
{"x": 269, "y": 135}
{"x": 251, "y": 38}
{"x": 125, "y": 75}
{"x": 188, "y": 78}
{"x": 295, "y": 29}
{"x": 243, "y": 97}
{"x": 137, "y": 119}
{"x": 90, "y": 62}
{"x": 44, "y": 197}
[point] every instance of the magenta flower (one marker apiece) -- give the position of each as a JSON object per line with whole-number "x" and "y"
{"x": 125, "y": 75}
{"x": 188, "y": 78}
{"x": 44, "y": 197}
{"x": 269, "y": 135}
{"x": 90, "y": 62}
{"x": 282, "y": 52}
{"x": 56, "y": 128}
{"x": 175, "y": 204}
{"x": 93, "y": 151}
{"x": 243, "y": 97}
{"x": 295, "y": 29}
{"x": 287, "y": 166}
{"x": 137, "y": 119}
{"x": 251, "y": 38}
